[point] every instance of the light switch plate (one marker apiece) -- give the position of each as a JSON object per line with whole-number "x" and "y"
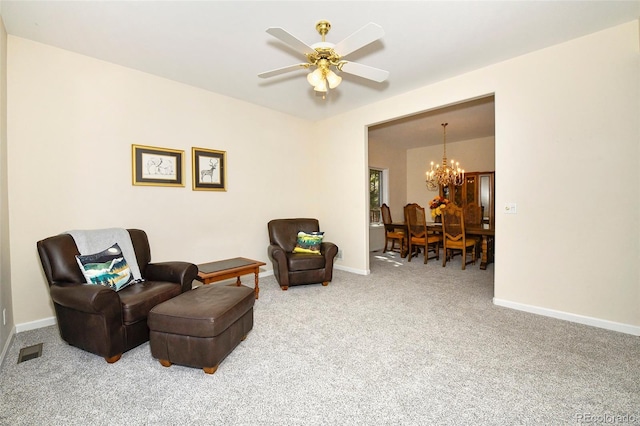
{"x": 510, "y": 208}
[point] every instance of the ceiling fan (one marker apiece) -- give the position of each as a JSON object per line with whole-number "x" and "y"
{"x": 324, "y": 55}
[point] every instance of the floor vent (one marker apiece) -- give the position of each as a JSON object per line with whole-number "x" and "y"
{"x": 30, "y": 352}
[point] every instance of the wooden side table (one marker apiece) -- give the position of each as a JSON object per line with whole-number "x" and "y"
{"x": 229, "y": 268}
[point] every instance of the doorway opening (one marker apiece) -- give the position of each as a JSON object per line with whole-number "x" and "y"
{"x": 405, "y": 146}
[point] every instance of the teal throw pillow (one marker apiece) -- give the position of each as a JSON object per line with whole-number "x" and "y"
{"x": 108, "y": 268}
{"x": 309, "y": 242}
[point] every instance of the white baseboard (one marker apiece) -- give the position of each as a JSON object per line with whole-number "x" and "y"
{"x": 352, "y": 270}
{"x": 580, "y": 319}
{"x": 340, "y": 267}
{"x": 26, "y": 326}
{"x": 7, "y": 344}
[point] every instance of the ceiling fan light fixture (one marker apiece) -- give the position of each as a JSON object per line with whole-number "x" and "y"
{"x": 316, "y": 77}
{"x": 333, "y": 79}
{"x": 321, "y": 87}
{"x": 325, "y": 55}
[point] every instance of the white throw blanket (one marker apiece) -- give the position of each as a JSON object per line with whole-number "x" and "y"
{"x": 97, "y": 240}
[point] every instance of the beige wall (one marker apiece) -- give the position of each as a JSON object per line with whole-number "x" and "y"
{"x": 476, "y": 155}
{"x": 6, "y": 308}
{"x": 386, "y": 155}
{"x": 72, "y": 121}
{"x": 560, "y": 113}
{"x": 567, "y": 127}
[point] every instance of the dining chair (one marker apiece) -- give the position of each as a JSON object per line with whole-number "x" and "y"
{"x": 419, "y": 235}
{"x": 454, "y": 237}
{"x": 473, "y": 218}
{"x": 392, "y": 232}
{"x": 472, "y": 214}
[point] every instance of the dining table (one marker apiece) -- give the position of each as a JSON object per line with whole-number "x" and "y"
{"x": 486, "y": 231}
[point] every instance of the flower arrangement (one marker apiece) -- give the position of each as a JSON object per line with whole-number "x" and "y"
{"x": 436, "y": 205}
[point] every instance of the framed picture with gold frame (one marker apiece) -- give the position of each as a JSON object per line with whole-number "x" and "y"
{"x": 209, "y": 169}
{"x": 157, "y": 166}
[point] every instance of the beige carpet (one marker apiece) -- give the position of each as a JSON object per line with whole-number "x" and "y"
{"x": 410, "y": 344}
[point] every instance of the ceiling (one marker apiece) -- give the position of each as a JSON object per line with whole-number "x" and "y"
{"x": 221, "y": 46}
{"x": 468, "y": 120}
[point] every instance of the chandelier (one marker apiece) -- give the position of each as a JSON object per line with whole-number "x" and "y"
{"x": 444, "y": 175}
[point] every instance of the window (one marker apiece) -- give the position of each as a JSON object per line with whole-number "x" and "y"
{"x": 376, "y": 195}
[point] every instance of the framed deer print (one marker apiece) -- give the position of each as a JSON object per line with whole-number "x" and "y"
{"x": 157, "y": 166}
{"x": 209, "y": 169}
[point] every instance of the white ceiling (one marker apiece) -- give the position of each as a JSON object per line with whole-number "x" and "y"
{"x": 221, "y": 46}
{"x": 468, "y": 120}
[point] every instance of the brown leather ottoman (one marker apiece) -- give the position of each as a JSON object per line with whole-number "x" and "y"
{"x": 200, "y": 327}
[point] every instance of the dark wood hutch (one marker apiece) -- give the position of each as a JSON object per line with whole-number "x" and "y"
{"x": 479, "y": 188}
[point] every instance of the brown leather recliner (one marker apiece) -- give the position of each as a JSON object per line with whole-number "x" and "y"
{"x": 292, "y": 268}
{"x": 96, "y": 318}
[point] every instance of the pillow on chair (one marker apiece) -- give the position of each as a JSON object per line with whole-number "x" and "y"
{"x": 309, "y": 242}
{"x": 108, "y": 268}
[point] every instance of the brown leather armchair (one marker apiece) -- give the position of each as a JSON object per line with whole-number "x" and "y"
{"x": 292, "y": 268}
{"x": 96, "y": 318}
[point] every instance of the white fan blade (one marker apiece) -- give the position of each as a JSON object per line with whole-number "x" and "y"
{"x": 365, "y": 35}
{"x": 282, "y": 70}
{"x": 292, "y": 41}
{"x": 365, "y": 71}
